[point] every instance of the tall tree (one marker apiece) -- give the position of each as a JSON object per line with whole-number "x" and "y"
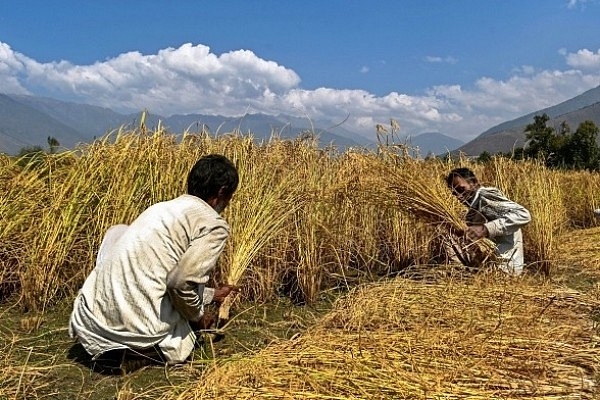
{"x": 581, "y": 150}
{"x": 52, "y": 144}
{"x": 541, "y": 139}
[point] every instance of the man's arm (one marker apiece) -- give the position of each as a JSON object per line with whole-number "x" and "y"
{"x": 507, "y": 215}
{"x": 186, "y": 281}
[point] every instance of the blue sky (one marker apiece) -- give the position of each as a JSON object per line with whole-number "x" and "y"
{"x": 457, "y": 67}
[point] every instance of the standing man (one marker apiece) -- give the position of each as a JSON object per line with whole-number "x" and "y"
{"x": 149, "y": 282}
{"x": 491, "y": 215}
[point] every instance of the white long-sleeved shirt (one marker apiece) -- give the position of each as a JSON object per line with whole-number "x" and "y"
{"x": 150, "y": 280}
{"x": 503, "y": 219}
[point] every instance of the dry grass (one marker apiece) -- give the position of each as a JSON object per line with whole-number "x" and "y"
{"x": 26, "y": 372}
{"x": 580, "y": 248}
{"x": 305, "y": 221}
{"x": 490, "y": 337}
{"x": 581, "y": 195}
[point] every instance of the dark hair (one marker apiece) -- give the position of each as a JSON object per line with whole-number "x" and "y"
{"x": 462, "y": 172}
{"x": 210, "y": 174}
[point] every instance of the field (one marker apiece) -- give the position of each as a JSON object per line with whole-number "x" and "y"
{"x": 346, "y": 293}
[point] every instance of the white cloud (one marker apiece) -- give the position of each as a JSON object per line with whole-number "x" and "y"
{"x": 183, "y": 80}
{"x": 364, "y": 70}
{"x": 584, "y": 59}
{"x": 12, "y": 68}
{"x": 191, "y": 79}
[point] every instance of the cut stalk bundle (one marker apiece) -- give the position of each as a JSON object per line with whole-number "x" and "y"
{"x": 260, "y": 215}
{"x": 429, "y": 201}
{"x": 487, "y": 338}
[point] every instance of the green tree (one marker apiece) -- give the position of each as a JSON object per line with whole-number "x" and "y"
{"x": 561, "y": 140}
{"x": 52, "y": 144}
{"x": 541, "y": 138}
{"x": 581, "y": 151}
{"x": 484, "y": 157}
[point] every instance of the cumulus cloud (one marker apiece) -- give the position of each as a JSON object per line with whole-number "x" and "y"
{"x": 584, "y": 59}
{"x": 12, "y": 70}
{"x": 192, "y": 79}
{"x": 176, "y": 80}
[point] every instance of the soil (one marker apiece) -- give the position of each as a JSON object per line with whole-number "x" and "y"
{"x": 39, "y": 360}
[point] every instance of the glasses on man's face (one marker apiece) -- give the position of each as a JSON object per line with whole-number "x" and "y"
{"x": 458, "y": 190}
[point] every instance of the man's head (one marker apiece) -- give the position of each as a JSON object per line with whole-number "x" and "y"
{"x": 463, "y": 183}
{"x": 214, "y": 179}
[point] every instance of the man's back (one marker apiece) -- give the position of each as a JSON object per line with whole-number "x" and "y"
{"x": 124, "y": 300}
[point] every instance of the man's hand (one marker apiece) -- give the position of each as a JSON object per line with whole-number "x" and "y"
{"x": 223, "y": 291}
{"x": 207, "y": 320}
{"x": 476, "y": 232}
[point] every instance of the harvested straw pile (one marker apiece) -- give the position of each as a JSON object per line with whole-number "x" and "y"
{"x": 406, "y": 339}
{"x": 579, "y": 249}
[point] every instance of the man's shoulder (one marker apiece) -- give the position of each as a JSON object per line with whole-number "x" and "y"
{"x": 187, "y": 201}
{"x": 192, "y": 207}
{"x": 195, "y": 206}
{"x": 491, "y": 192}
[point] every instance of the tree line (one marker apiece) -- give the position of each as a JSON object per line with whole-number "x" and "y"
{"x": 557, "y": 148}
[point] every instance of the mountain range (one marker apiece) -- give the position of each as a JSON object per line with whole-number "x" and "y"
{"x": 27, "y": 121}
{"x": 509, "y": 135}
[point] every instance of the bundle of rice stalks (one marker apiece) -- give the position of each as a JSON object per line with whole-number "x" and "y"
{"x": 426, "y": 197}
{"x": 449, "y": 340}
{"x": 266, "y": 201}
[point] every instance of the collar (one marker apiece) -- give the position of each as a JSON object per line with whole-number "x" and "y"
{"x": 476, "y": 197}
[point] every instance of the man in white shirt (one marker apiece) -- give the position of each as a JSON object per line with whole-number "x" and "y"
{"x": 491, "y": 214}
{"x": 149, "y": 282}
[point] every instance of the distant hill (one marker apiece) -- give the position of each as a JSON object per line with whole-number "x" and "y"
{"x": 434, "y": 143}
{"x": 89, "y": 120}
{"x": 511, "y": 134}
{"x": 24, "y": 126}
{"x": 27, "y": 121}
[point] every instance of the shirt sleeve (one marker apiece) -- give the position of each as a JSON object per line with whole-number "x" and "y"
{"x": 504, "y": 216}
{"x": 186, "y": 281}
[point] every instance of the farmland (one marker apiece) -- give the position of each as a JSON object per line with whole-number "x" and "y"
{"x": 343, "y": 294}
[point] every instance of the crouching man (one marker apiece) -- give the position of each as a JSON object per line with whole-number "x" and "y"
{"x": 149, "y": 281}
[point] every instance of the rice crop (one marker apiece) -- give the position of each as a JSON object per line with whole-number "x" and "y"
{"x": 305, "y": 219}
{"x": 308, "y": 220}
{"x": 579, "y": 250}
{"x": 490, "y": 337}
